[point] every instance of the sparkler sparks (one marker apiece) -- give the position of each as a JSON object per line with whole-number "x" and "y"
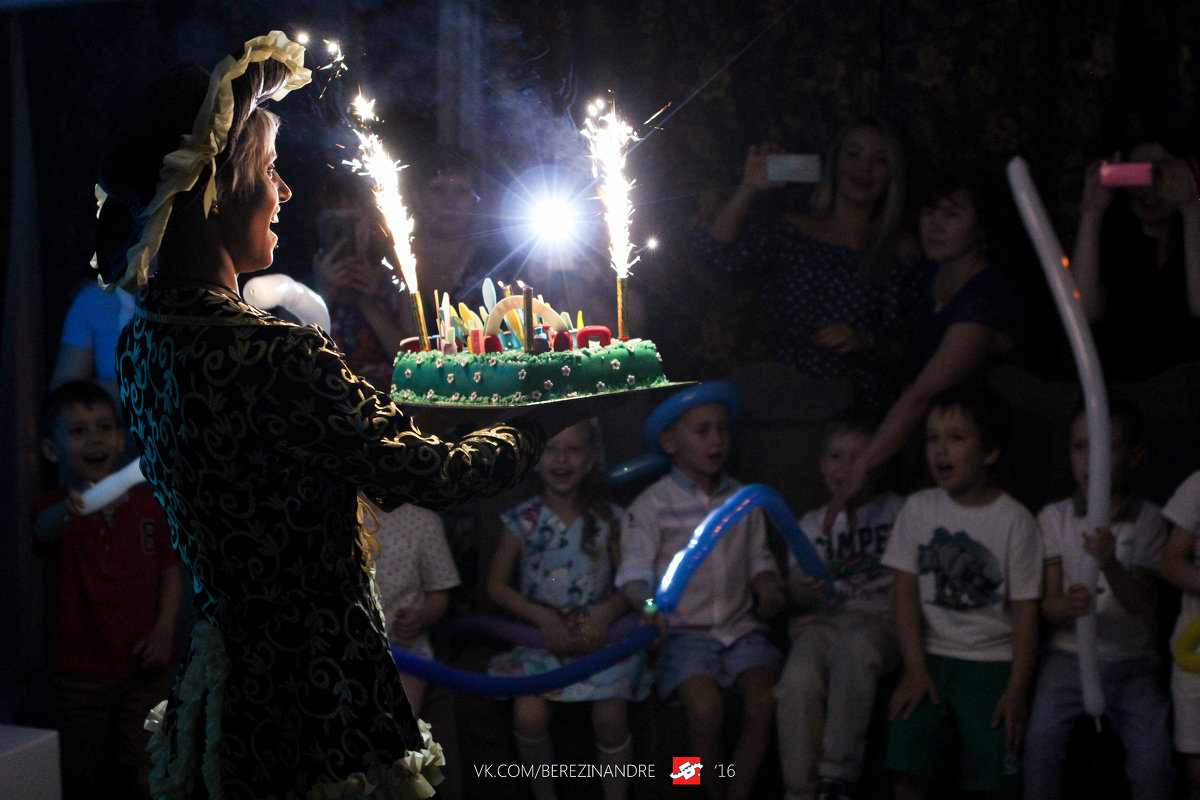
{"x": 374, "y": 162}
{"x": 609, "y": 138}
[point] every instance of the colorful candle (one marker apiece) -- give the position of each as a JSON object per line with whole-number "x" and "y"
{"x": 527, "y": 323}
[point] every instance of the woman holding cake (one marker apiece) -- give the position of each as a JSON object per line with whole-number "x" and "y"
{"x": 843, "y": 271}
{"x": 971, "y": 316}
{"x": 256, "y": 438}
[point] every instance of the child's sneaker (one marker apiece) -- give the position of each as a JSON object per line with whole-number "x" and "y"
{"x": 833, "y": 789}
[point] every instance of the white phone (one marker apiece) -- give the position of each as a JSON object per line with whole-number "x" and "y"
{"x": 794, "y": 167}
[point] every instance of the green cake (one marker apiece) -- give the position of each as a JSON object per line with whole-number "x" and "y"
{"x": 514, "y": 377}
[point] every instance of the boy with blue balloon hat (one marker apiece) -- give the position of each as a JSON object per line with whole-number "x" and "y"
{"x": 716, "y": 638}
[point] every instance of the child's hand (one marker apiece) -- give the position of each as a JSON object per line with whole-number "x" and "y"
{"x": 1012, "y": 711}
{"x": 560, "y": 638}
{"x": 806, "y": 591}
{"x": 1079, "y": 600}
{"x": 406, "y": 625}
{"x": 915, "y": 686}
{"x": 1101, "y": 545}
{"x": 659, "y": 621}
{"x": 772, "y": 598}
{"x": 153, "y": 649}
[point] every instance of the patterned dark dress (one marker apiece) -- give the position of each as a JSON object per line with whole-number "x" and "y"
{"x": 256, "y": 437}
{"x": 811, "y": 284}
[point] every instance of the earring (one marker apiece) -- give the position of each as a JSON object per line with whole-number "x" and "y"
{"x": 215, "y": 209}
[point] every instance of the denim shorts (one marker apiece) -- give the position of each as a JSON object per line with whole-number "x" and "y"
{"x": 684, "y": 655}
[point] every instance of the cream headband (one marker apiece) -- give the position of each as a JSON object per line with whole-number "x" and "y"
{"x": 210, "y": 133}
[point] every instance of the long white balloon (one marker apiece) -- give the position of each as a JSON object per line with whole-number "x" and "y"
{"x": 269, "y": 291}
{"x": 1087, "y": 364}
{"x": 112, "y": 487}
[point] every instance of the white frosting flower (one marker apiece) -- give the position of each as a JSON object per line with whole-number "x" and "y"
{"x": 599, "y": 386}
{"x": 521, "y": 375}
{"x": 566, "y": 370}
{"x": 492, "y": 361}
{"x": 438, "y": 363}
{"x": 631, "y": 380}
{"x": 450, "y": 378}
{"x": 536, "y": 395}
{"x": 408, "y": 373}
{"x": 429, "y": 393}
{"x": 477, "y": 377}
{"x": 616, "y": 364}
{"x": 455, "y": 396}
{"x": 517, "y": 396}
{"x": 548, "y": 385}
{"x": 495, "y": 398}
{"x": 474, "y": 396}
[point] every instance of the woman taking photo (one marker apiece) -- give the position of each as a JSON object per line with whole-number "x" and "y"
{"x": 842, "y": 273}
{"x": 256, "y": 438}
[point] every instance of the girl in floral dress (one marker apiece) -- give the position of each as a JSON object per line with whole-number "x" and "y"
{"x": 562, "y": 544}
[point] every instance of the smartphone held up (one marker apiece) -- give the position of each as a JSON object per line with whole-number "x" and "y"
{"x": 794, "y": 168}
{"x": 1127, "y": 174}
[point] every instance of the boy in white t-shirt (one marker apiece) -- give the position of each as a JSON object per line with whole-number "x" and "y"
{"x": 968, "y": 576}
{"x": 1128, "y": 553}
{"x": 843, "y": 642}
{"x": 1181, "y": 566}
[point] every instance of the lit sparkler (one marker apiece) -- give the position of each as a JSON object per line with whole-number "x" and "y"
{"x": 373, "y": 161}
{"x": 609, "y": 138}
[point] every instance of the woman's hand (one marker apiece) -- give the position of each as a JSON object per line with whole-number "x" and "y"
{"x": 754, "y": 174}
{"x": 856, "y": 480}
{"x": 915, "y": 686}
{"x": 345, "y": 272}
{"x": 1178, "y": 185}
{"x": 841, "y": 338}
{"x": 1096, "y": 196}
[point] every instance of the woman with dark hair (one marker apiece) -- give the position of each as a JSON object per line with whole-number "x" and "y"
{"x": 839, "y": 271}
{"x": 256, "y": 438}
{"x": 1137, "y": 266}
{"x": 970, "y": 316}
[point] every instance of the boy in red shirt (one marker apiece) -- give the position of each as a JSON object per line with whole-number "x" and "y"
{"x": 119, "y": 590}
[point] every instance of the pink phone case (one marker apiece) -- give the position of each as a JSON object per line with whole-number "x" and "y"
{"x": 1128, "y": 173}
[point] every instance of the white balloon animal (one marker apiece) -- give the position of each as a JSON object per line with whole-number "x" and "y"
{"x": 271, "y": 291}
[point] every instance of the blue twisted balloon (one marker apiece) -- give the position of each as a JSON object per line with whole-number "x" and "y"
{"x": 683, "y": 565}
{"x": 478, "y": 683}
{"x": 720, "y": 520}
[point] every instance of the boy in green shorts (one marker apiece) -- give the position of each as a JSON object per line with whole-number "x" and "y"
{"x": 967, "y": 560}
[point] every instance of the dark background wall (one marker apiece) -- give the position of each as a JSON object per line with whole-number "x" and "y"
{"x": 1059, "y": 83}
